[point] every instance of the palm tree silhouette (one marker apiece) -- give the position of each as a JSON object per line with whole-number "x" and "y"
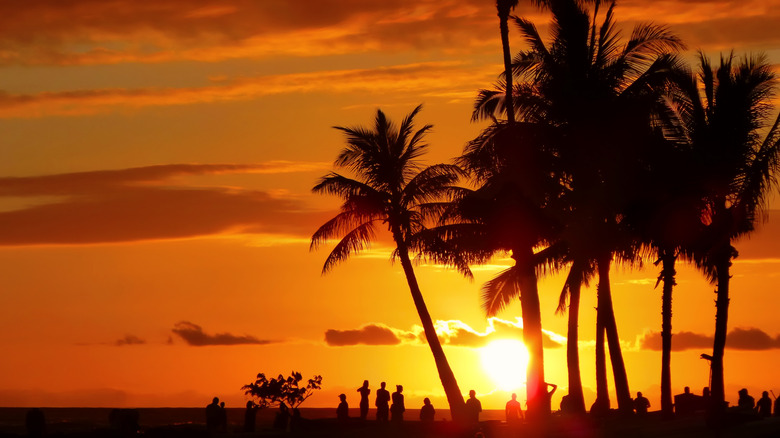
{"x": 389, "y": 188}
{"x": 736, "y": 171}
{"x": 597, "y": 94}
{"x": 510, "y": 206}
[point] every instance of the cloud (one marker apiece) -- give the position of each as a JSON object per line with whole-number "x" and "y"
{"x": 434, "y": 79}
{"x": 144, "y": 204}
{"x": 371, "y": 334}
{"x": 737, "y": 339}
{"x": 99, "y": 32}
{"x": 452, "y": 332}
{"x": 193, "y": 335}
{"x": 129, "y": 340}
{"x": 458, "y": 333}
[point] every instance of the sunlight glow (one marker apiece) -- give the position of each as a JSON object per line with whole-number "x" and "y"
{"x": 505, "y": 361}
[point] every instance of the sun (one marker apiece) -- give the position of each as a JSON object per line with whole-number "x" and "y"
{"x": 505, "y": 361}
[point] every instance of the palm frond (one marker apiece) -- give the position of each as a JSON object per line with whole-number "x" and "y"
{"x": 355, "y": 241}
{"x": 501, "y": 290}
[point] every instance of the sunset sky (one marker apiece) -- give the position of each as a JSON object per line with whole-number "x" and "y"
{"x": 155, "y": 205}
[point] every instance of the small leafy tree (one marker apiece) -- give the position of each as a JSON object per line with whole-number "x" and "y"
{"x": 281, "y": 390}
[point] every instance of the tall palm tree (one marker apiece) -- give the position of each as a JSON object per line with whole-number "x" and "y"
{"x": 509, "y": 206}
{"x": 389, "y": 188}
{"x": 598, "y": 93}
{"x": 736, "y": 172}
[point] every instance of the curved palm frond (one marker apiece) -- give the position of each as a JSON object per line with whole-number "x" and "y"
{"x": 499, "y": 292}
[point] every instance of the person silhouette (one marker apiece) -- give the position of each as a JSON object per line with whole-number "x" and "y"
{"x": 764, "y": 405}
{"x": 35, "y": 422}
{"x": 282, "y": 417}
{"x": 514, "y": 412}
{"x": 746, "y": 401}
{"x": 427, "y": 412}
{"x": 397, "y": 408}
{"x": 213, "y": 415}
{"x": 342, "y": 411}
{"x": 473, "y": 408}
{"x": 641, "y": 404}
{"x": 382, "y": 403}
{"x": 250, "y": 416}
{"x": 364, "y": 392}
{"x": 222, "y": 417}
{"x": 777, "y": 406}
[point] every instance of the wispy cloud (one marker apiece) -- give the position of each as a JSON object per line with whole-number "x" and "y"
{"x": 129, "y": 340}
{"x": 370, "y": 334}
{"x": 427, "y": 78}
{"x": 146, "y": 204}
{"x": 194, "y": 335}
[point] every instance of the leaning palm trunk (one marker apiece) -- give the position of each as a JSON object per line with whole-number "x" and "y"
{"x": 447, "y": 377}
{"x": 613, "y": 341}
{"x": 667, "y": 276}
{"x": 538, "y": 402}
{"x": 576, "y": 398}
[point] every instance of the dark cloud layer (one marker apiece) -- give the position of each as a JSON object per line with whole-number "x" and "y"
{"x": 737, "y": 339}
{"x": 371, "y": 334}
{"x": 136, "y": 204}
{"x": 194, "y": 335}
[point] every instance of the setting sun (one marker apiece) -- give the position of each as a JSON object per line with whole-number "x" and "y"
{"x": 505, "y": 361}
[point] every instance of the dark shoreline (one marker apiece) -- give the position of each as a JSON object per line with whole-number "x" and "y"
{"x": 318, "y": 422}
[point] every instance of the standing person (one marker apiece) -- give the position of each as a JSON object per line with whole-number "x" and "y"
{"x": 222, "y": 417}
{"x": 342, "y": 411}
{"x": 212, "y": 415}
{"x": 514, "y": 412}
{"x": 382, "y": 403}
{"x": 364, "y": 392}
{"x": 397, "y": 408}
{"x": 746, "y": 401}
{"x": 777, "y": 405}
{"x": 250, "y": 416}
{"x": 764, "y": 405}
{"x": 473, "y": 407}
{"x": 641, "y": 404}
{"x": 427, "y": 412}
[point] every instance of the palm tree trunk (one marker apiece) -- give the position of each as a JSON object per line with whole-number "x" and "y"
{"x": 508, "y": 102}
{"x": 717, "y": 390}
{"x": 613, "y": 341}
{"x": 667, "y": 276}
{"x": 538, "y": 402}
{"x": 602, "y": 387}
{"x": 576, "y": 398}
{"x": 447, "y": 377}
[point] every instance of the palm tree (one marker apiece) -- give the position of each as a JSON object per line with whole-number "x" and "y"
{"x": 389, "y": 188}
{"x": 736, "y": 171}
{"x": 599, "y": 95}
{"x": 508, "y": 213}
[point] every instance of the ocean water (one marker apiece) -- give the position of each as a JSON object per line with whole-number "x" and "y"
{"x": 74, "y": 419}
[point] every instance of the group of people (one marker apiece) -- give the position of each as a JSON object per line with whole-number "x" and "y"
{"x": 216, "y": 416}
{"x": 762, "y": 408}
{"x": 391, "y": 407}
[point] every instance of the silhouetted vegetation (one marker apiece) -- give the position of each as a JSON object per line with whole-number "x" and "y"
{"x": 287, "y": 390}
{"x": 600, "y": 151}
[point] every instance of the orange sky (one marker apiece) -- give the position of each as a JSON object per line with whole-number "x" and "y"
{"x": 155, "y": 209}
